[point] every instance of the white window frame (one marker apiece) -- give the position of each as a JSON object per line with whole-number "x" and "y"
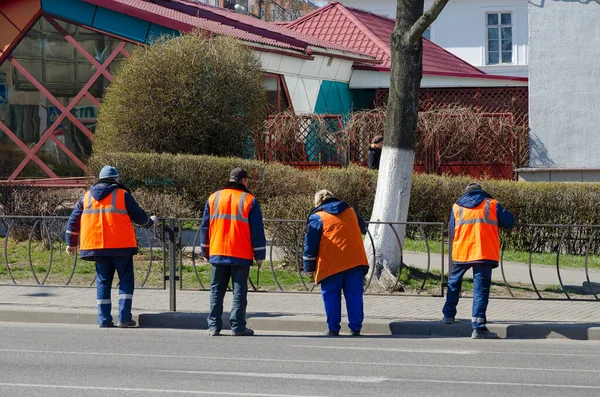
{"x": 515, "y": 47}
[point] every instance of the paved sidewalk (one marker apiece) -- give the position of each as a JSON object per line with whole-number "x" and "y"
{"x": 303, "y": 312}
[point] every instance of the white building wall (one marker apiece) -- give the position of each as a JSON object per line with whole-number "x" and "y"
{"x": 362, "y": 79}
{"x": 564, "y": 90}
{"x": 461, "y": 29}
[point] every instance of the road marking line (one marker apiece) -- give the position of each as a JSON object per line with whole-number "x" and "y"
{"x": 364, "y": 379}
{"x": 395, "y": 349}
{"x": 327, "y": 378}
{"x": 125, "y": 389}
{"x": 442, "y": 351}
{"x": 281, "y": 360}
{"x": 467, "y": 382}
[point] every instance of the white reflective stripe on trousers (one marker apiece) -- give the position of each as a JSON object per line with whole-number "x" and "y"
{"x": 103, "y": 301}
{"x": 126, "y": 296}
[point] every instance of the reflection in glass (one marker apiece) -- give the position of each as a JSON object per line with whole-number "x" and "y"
{"x": 63, "y": 71}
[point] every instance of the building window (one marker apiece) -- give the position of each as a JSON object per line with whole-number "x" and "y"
{"x": 427, "y": 33}
{"x": 499, "y": 38}
{"x": 277, "y": 94}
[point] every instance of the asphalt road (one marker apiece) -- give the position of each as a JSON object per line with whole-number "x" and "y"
{"x": 57, "y": 360}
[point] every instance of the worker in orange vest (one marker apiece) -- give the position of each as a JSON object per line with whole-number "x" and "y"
{"x": 101, "y": 226}
{"x": 334, "y": 254}
{"x": 232, "y": 236}
{"x": 475, "y": 243}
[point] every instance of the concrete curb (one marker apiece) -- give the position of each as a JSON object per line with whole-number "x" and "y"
{"x": 286, "y": 323}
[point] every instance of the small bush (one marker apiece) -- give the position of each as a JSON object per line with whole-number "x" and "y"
{"x": 38, "y": 201}
{"x": 34, "y": 201}
{"x": 186, "y": 94}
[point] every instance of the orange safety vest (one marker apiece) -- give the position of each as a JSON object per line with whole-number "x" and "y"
{"x": 341, "y": 246}
{"x": 229, "y": 230}
{"x": 476, "y": 234}
{"x": 106, "y": 223}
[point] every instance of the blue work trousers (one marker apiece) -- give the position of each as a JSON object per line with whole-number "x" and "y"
{"x": 105, "y": 272}
{"x": 351, "y": 282}
{"x": 482, "y": 279}
{"x": 219, "y": 279}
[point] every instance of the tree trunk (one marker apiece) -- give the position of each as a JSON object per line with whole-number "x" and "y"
{"x": 392, "y": 197}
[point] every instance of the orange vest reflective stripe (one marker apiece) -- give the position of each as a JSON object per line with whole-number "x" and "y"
{"x": 106, "y": 223}
{"x": 229, "y": 232}
{"x": 341, "y": 246}
{"x": 476, "y": 234}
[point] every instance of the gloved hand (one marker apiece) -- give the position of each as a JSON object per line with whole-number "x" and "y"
{"x": 71, "y": 250}
{"x": 259, "y": 263}
{"x": 154, "y": 219}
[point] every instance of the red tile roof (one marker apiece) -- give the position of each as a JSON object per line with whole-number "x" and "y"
{"x": 370, "y": 33}
{"x": 186, "y": 15}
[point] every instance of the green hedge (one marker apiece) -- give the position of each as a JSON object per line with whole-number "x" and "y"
{"x": 178, "y": 185}
{"x": 287, "y": 192}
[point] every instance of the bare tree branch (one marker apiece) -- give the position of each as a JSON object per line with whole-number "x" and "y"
{"x": 417, "y": 30}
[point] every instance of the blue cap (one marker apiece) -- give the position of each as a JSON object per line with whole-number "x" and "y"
{"x": 108, "y": 172}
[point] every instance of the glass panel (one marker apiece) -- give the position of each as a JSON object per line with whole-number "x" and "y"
{"x": 506, "y": 45}
{"x": 74, "y": 140}
{"x": 492, "y": 19}
{"x": 59, "y": 66}
{"x": 493, "y": 58}
{"x": 27, "y": 111}
{"x": 507, "y": 57}
{"x": 276, "y": 101}
{"x": 493, "y": 45}
{"x": 116, "y": 64}
{"x": 505, "y": 19}
{"x": 493, "y": 33}
{"x": 21, "y": 112}
{"x": 506, "y": 33}
{"x": 270, "y": 84}
{"x": 12, "y": 155}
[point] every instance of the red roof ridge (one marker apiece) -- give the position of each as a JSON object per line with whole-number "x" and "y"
{"x": 370, "y": 13}
{"x": 365, "y": 29}
{"x": 237, "y": 19}
{"x": 311, "y": 14}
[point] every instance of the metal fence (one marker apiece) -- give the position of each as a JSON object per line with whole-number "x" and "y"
{"x": 33, "y": 253}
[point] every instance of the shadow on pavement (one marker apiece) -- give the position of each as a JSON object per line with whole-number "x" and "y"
{"x": 575, "y": 331}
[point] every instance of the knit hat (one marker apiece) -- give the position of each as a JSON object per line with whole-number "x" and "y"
{"x": 237, "y": 174}
{"x": 108, "y": 172}
{"x": 471, "y": 187}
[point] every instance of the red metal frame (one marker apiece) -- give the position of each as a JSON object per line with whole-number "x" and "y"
{"x": 4, "y": 54}
{"x": 101, "y": 69}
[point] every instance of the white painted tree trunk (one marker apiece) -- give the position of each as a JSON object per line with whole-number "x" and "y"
{"x": 391, "y": 205}
{"x": 397, "y": 159}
